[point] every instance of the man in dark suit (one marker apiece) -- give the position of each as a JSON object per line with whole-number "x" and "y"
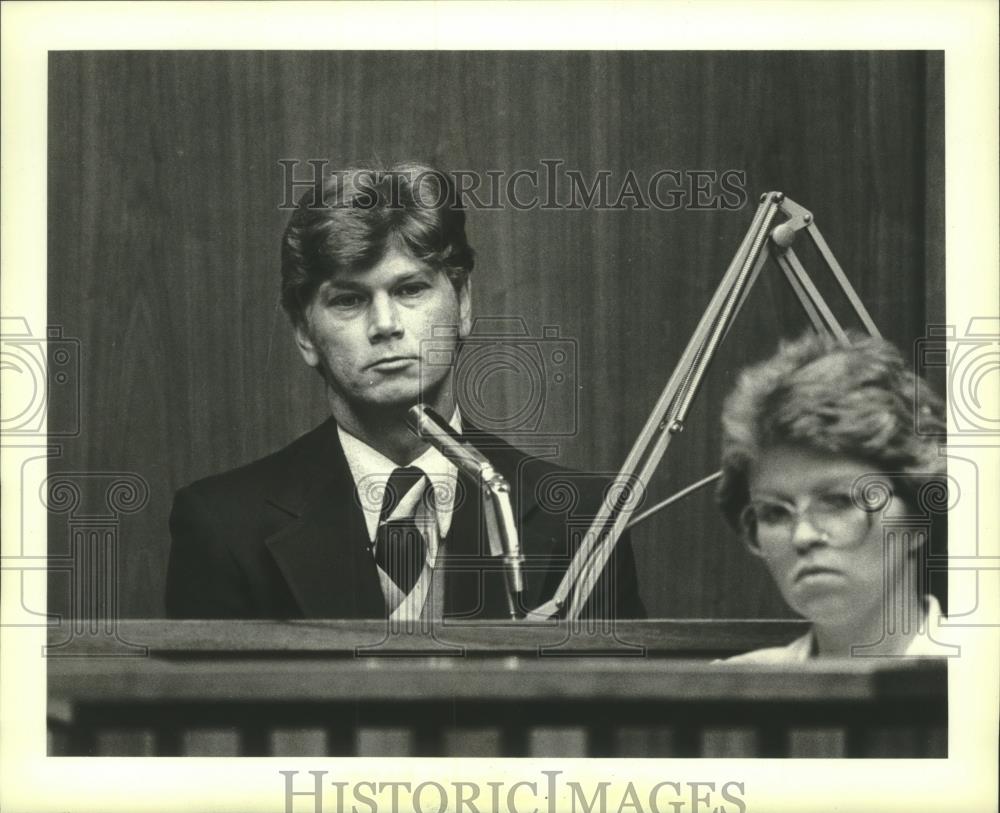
{"x": 359, "y": 518}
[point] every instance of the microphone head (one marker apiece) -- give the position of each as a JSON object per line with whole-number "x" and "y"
{"x": 424, "y": 421}
{"x": 413, "y": 417}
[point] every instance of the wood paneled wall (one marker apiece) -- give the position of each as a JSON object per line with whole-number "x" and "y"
{"x": 164, "y": 194}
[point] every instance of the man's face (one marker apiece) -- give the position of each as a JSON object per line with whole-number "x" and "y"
{"x": 367, "y": 332}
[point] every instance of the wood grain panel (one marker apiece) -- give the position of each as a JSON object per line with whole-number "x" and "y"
{"x": 384, "y": 742}
{"x": 818, "y": 742}
{"x": 232, "y": 702}
{"x": 550, "y": 741}
{"x": 126, "y": 742}
{"x": 482, "y": 741}
{"x": 211, "y": 742}
{"x": 734, "y": 741}
{"x": 297, "y": 742}
{"x": 164, "y": 188}
{"x": 369, "y": 640}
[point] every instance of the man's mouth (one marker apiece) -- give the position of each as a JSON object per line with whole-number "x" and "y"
{"x": 390, "y": 363}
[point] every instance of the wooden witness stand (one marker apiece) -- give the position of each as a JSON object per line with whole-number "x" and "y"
{"x": 345, "y": 688}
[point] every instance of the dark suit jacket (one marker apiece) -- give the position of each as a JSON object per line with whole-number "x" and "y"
{"x": 285, "y": 537}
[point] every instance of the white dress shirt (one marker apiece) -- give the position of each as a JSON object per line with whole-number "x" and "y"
{"x": 371, "y": 471}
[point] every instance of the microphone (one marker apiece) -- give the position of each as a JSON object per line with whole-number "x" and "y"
{"x": 500, "y": 523}
{"x": 430, "y": 426}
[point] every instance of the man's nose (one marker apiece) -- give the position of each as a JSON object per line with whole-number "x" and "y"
{"x": 383, "y": 317}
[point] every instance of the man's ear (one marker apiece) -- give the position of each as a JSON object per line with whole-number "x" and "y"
{"x": 305, "y": 343}
{"x": 465, "y": 308}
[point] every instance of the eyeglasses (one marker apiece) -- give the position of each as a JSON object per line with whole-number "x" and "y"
{"x": 840, "y": 521}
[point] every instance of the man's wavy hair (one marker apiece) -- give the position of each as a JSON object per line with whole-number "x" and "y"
{"x": 362, "y": 212}
{"x": 859, "y": 400}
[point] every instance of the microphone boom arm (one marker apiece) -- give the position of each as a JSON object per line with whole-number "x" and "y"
{"x": 670, "y": 412}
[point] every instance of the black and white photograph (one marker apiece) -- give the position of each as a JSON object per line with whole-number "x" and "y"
{"x": 555, "y": 424}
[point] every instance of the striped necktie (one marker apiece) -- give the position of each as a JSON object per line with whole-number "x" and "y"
{"x": 400, "y": 547}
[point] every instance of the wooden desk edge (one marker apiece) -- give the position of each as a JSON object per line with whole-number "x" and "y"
{"x": 693, "y": 636}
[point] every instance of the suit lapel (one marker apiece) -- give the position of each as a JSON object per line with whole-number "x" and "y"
{"x": 321, "y": 553}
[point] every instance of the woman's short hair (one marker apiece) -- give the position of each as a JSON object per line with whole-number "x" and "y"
{"x": 359, "y": 215}
{"x": 859, "y": 400}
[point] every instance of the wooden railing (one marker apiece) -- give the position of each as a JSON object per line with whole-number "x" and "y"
{"x": 355, "y": 689}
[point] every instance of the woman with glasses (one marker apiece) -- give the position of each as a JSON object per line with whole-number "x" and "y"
{"x": 827, "y": 482}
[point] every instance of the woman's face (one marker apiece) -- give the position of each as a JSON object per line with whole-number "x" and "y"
{"x": 826, "y": 554}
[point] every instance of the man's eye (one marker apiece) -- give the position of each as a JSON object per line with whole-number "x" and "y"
{"x": 412, "y": 289}
{"x": 344, "y": 301}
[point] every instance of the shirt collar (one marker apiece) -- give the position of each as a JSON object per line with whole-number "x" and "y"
{"x": 805, "y": 648}
{"x": 371, "y": 470}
